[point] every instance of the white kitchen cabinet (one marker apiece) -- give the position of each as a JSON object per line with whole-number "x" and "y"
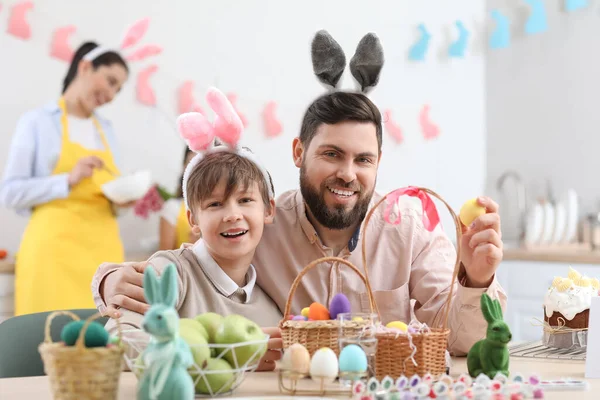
{"x": 526, "y": 283}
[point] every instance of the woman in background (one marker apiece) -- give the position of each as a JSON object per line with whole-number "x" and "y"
{"x": 174, "y": 227}
{"x": 60, "y": 156}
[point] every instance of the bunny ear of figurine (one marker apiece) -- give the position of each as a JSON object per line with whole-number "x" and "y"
{"x": 329, "y": 61}
{"x": 200, "y": 134}
{"x": 488, "y": 308}
{"x": 151, "y": 286}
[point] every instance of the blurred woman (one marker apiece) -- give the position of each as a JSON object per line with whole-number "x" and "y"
{"x": 60, "y": 155}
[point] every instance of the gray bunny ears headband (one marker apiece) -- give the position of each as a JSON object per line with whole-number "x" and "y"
{"x": 329, "y": 61}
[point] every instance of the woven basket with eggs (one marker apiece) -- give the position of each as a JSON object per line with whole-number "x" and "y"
{"x": 319, "y": 333}
{"x": 79, "y": 371}
{"x": 394, "y": 351}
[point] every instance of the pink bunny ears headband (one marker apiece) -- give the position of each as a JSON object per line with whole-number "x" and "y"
{"x": 222, "y": 134}
{"x": 329, "y": 61}
{"x": 133, "y": 35}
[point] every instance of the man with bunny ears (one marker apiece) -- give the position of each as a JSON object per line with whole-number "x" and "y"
{"x": 338, "y": 152}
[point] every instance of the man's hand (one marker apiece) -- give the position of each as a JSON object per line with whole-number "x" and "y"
{"x": 482, "y": 246}
{"x": 123, "y": 288}
{"x": 274, "y": 347}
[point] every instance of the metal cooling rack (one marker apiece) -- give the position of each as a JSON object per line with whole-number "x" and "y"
{"x": 538, "y": 350}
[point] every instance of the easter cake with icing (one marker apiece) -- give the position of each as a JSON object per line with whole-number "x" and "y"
{"x": 567, "y": 301}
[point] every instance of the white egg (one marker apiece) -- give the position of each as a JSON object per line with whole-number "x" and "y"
{"x": 324, "y": 364}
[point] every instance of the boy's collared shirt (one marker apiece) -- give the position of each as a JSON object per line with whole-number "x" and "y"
{"x": 221, "y": 281}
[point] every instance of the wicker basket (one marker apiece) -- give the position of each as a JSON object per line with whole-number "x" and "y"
{"x": 317, "y": 334}
{"x": 81, "y": 373}
{"x": 394, "y": 351}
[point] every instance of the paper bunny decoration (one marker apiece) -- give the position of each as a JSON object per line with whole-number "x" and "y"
{"x": 329, "y": 61}
{"x": 18, "y": 25}
{"x": 222, "y": 134}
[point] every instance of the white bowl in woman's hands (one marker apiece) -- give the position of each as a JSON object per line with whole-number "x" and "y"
{"x": 128, "y": 188}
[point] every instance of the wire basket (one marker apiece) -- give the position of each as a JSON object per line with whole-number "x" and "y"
{"x": 325, "y": 333}
{"x": 234, "y": 361}
{"x": 78, "y": 372}
{"x": 394, "y": 351}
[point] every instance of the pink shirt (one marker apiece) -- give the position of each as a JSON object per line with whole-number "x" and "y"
{"x": 405, "y": 262}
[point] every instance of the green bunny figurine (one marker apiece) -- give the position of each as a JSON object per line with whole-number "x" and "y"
{"x": 490, "y": 355}
{"x": 167, "y": 357}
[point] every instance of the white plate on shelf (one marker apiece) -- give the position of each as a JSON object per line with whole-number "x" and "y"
{"x": 560, "y": 222}
{"x": 572, "y": 211}
{"x": 548, "y": 224}
{"x": 534, "y": 228}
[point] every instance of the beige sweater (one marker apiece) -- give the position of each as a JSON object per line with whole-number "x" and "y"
{"x": 198, "y": 294}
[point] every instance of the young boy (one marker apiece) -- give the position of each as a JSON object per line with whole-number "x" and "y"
{"x": 230, "y": 199}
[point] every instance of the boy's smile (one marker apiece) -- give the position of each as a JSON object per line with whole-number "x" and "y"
{"x": 234, "y": 235}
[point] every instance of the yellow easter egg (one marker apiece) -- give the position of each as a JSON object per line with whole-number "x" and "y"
{"x": 358, "y": 319}
{"x": 304, "y": 312}
{"x": 470, "y": 211}
{"x": 397, "y": 325}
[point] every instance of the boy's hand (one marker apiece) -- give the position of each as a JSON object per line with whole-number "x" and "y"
{"x": 274, "y": 347}
{"x": 123, "y": 288}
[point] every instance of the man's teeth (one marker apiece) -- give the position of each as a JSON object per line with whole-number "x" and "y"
{"x": 341, "y": 192}
{"x": 233, "y": 234}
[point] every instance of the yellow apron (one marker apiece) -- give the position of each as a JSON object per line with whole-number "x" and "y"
{"x": 67, "y": 239}
{"x": 182, "y": 227}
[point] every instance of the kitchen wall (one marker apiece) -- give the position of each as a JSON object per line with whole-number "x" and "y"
{"x": 542, "y": 106}
{"x": 260, "y": 50}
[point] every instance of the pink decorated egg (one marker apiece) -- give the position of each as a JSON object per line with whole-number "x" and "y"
{"x": 339, "y": 305}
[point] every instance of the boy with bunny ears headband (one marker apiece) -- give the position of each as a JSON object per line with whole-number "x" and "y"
{"x": 229, "y": 198}
{"x": 337, "y": 151}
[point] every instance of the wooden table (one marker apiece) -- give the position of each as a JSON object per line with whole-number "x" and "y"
{"x": 265, "y": 384}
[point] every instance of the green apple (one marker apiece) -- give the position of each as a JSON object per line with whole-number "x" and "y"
{"x": 191, "y": 324}
{"x": 211, "y": 322}
{"x": 237, "y": 329}
{"x": 220, "y": 381}
{"x": 197, "y": 343}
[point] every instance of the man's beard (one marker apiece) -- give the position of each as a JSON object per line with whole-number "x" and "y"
{"x": 337, "y": 217}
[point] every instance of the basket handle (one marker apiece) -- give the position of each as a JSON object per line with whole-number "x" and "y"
{"x": 47, "y": 335}
{"x": 457, "y": 224}
{"x": 80, "y": 340}
{"x": 313, "y": 264}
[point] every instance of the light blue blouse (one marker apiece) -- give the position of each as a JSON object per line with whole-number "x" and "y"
{"x": 33, "y": 153}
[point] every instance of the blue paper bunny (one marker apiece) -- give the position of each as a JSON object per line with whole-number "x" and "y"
{"x": 167, "y": 357}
